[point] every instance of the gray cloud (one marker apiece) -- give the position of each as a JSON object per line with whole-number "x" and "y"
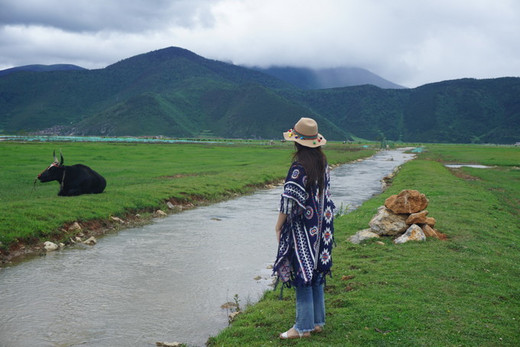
{"x": 102, "y": 15}
{"x": 406, "y": 41}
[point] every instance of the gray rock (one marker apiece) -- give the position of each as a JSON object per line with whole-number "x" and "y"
{"x": 168, "y": 344}
{"x": 50, "y": 246}
{"x": 91, "y": 241}
{"x": 413, "y": 233}
{"x": 117, "y": 219}
{"x": 385, "y": 222}
{"x": 362, "y": 235}
{"x": 159, "y": 213}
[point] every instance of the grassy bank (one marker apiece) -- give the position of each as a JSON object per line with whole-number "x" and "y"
{"x": 140, "y": 179}
{"x": 463, "y": 291}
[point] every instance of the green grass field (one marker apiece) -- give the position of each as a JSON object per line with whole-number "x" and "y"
{"x": 461, "y": 292}
{"x": 474, "y": 154}
{"x": 140, "y": 178}
{"x": 464, "y": 291}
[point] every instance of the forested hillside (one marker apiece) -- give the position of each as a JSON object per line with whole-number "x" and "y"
{"x": 171, "y": 92}
{"x": 41, "y": 68}
{"x": 174, "y": 92}
{"x": 463, "y": 111}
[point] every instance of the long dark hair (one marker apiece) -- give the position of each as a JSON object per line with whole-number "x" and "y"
{"x": 314, "y": 161}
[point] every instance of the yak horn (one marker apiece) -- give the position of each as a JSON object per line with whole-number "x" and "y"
{"x": 61, "y": 158}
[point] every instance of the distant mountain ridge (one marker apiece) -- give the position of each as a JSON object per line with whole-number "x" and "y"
{"x": 171, "y": 92}
{"x": 41, "y": 68}
{"x": 456, "y": 111}
{"x": 175, "y": 92}
{"x": 306, "y": 78}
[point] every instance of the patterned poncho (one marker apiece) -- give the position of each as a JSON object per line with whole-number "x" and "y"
{"x": 307, "y": 235}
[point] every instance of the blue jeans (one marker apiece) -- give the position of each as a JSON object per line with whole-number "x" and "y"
{"x": 310, "y": 306}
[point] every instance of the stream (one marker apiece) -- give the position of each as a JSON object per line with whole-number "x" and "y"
{"x": 165, "y": 281}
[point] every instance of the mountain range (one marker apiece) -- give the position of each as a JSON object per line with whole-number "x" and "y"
{"x": 306, "y": 78}
{"x": 175, "y": 92}
{"x": 41, "y": 68}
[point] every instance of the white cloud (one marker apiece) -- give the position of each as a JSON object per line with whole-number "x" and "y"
{"x": 406, "y": 41}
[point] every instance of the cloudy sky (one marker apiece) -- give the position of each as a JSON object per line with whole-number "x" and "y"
{"x": 409, "y": 42}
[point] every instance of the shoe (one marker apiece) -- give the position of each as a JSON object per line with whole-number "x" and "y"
{"x": 293, "y": 334}
{"x": 317, "y": 329}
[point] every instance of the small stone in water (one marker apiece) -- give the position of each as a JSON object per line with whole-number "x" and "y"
{"x": 50, "y": 246}
{"x": 91, "y": 241}
{"x": 228, "y": 305}
{"x": 168, "y": 344}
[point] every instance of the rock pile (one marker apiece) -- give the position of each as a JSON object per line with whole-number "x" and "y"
{"x": 404, "y": 217}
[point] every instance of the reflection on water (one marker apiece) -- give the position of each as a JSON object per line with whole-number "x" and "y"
{"x": 474, "y": 166}
{"x": 165, "y": 281}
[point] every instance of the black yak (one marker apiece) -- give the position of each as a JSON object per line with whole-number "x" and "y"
{"x": 75, "y": 179}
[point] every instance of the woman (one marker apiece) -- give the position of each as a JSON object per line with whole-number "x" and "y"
{"x": 305, "y": 228}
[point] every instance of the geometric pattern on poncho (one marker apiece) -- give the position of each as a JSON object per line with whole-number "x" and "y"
{"x": 306, "y": 241}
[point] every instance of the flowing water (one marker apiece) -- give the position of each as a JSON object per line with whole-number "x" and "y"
{"x": 165, "y": 281}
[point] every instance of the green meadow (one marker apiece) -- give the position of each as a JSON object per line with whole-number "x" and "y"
{"x": 464, "y": 291}
{"x": 140, "y": 179}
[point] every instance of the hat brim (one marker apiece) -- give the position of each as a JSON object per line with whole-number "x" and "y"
{"x": 312, "y": 143}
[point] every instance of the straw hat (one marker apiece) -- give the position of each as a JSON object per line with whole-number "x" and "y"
{"x": 305, "y": 132}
